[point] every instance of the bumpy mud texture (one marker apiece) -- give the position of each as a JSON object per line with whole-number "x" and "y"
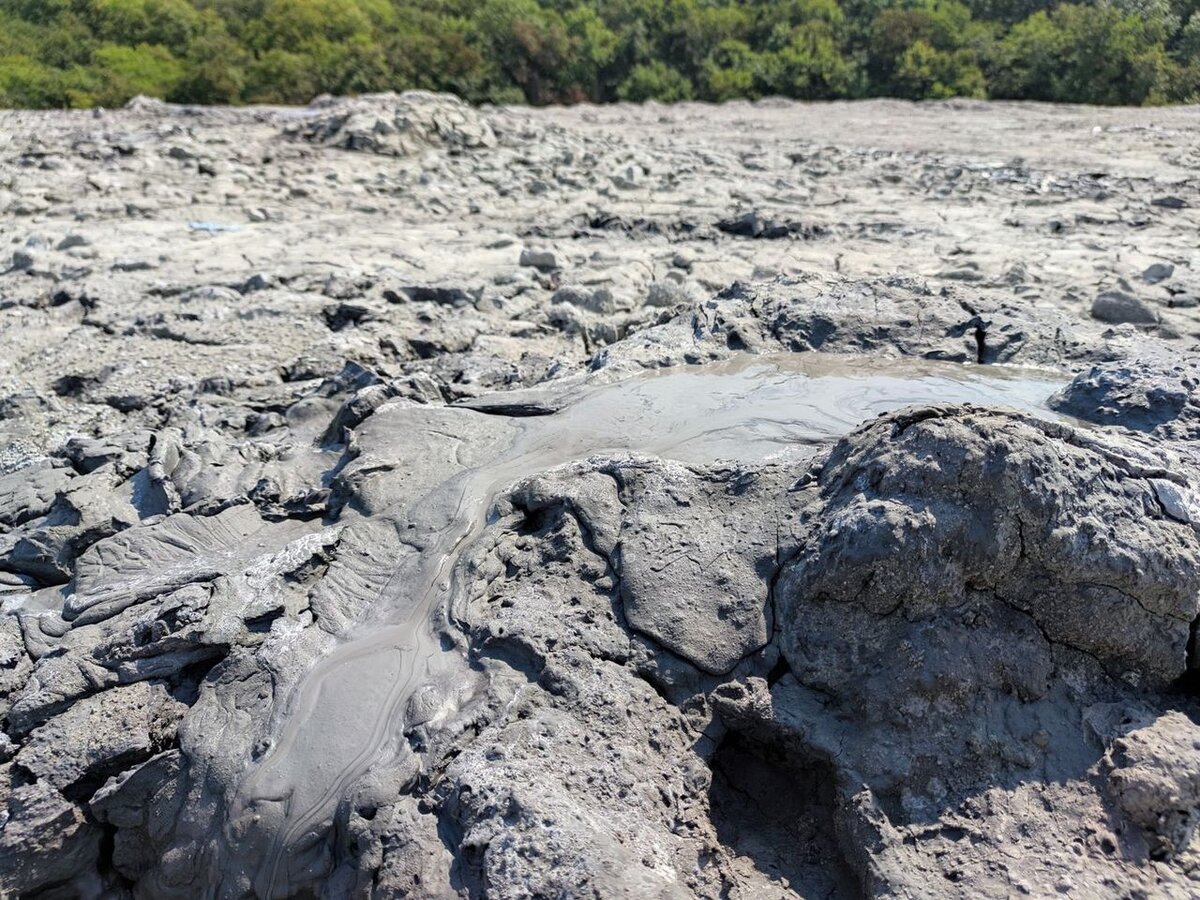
{"x": 757, "y": 501}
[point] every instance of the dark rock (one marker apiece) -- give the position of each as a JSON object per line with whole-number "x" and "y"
{"x": 545, "y": 260}
{"x": 1118, "y": 307}
{"x": 1157, "y": 273}
{"x": 344, "y": 315}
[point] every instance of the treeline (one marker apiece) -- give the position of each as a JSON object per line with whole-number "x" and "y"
{"x": 59, "y": 53}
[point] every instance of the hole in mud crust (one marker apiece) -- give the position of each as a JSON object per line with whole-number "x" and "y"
{"x": 776, "y": 815}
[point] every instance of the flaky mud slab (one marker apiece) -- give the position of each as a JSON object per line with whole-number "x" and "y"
{"x": 402, "y": 499}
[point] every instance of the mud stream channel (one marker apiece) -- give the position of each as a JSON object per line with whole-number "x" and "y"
{"x": 351, "y": 711}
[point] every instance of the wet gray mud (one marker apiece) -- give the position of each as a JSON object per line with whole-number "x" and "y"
{"x": 351, "y": 710}
{"x": 399, "y": 499}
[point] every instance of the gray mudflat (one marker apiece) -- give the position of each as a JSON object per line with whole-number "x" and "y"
{"x": 749, "y": 501}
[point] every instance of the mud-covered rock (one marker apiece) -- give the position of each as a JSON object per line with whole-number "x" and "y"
{"x": 141, "y": 564}
{"x": 15, "y": 664}
{"x": 893, "y": 316}
{"x": 45, "y": 842}
{"x": 935, "y": 511}
{"x": 99, "y": 736}
{"x": 972, "y": 586}
{"x": 141, "y": 805}
{"x": 1155, "y": 777}
{"x": 1152, "y": 396}
{"x": 696, "y": 559}
{"x": 1118, "y": 307}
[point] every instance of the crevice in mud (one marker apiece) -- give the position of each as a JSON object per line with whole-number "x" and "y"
{"x": 517, "y": 655}
{"x": 1189, "y": 682}
{"x": 777, "y": 811}
{"x": 84, "y": 788}
{"x": 541, "y": 520}
{"x": 778, "y": 670}
{"x": 189, "y": 679}
{"x": 106, "y": 862}
{"x": 514, "y": 409}
{"x": 262, "y": 624}
{"x": 466, "y": 870}
{"x": 735, "y": 342}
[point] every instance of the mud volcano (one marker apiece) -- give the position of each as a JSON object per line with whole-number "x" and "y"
{"x": 403, "y": 499}
{"x": 394, "y": 674}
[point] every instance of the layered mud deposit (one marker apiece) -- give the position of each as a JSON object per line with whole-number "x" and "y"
{"x": 401, "y": 499}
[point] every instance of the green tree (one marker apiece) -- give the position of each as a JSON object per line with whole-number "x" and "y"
{"x": 36, "y": 12}
{"x": 934, "y": 49}
{"x": 292, "y": 24}
{"x": 1007, "y": 12}
{"x": 732, "y": 70}
{"x": 24, "y": 82}
{"x": 214, "y": 66}
{"x": 1186, "y": 87}
{"x": 698, "y": 37}
{"x": 1083, "y": 54}
{"x": 169, "y": 23}
{"x": 1160, "y": 15}
{"x": 528, "y": 47}
{"x": 56, "y": 52}
{"x": 1027, "y": 61}
{"x": 280, "y": 76}
{"x": 589, "y": 73}
{"x": 434, "y": 52}
{"x": 124, "y": 72}
{"x": 805, "y": 55}
{"x": 655, "y": 81}
{"x": 926, "y": 72}
{"x": 1187, "y": 50}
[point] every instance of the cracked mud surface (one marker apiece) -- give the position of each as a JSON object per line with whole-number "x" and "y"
{"x": 766, "y": 500}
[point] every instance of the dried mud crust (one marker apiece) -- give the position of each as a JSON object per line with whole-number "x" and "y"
{"x": 271, "y": 394}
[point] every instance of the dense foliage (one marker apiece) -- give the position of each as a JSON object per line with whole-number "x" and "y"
{"x": 102, "y": 52}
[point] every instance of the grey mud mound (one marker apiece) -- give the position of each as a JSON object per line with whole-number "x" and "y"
{"x": 396, "y": 125}
{"x": 767, "y": 500}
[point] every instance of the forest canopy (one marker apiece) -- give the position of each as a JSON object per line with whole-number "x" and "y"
{"x": 82, "y": 53}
